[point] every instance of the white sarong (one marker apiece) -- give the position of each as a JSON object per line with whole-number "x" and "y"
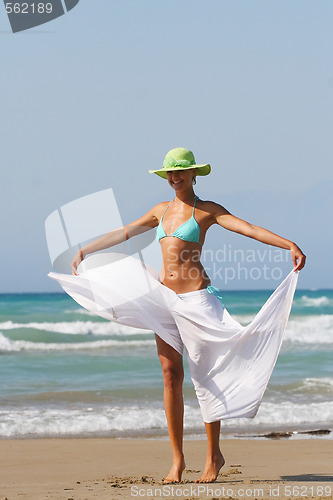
{"x": 230, "y": 365}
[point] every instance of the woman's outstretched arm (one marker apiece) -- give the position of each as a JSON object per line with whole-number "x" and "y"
{"x": 232, "y": 223}
{"x": 116, "y": 236}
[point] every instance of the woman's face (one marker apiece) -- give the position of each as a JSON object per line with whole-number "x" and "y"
{"x": 181, "y": 179}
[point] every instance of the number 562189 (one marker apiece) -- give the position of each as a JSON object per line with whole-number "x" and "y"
{"x": 28, "y": 8}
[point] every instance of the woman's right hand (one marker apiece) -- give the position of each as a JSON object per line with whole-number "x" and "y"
{"x": 76, "y": 262}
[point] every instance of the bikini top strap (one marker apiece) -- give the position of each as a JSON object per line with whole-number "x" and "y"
{"x": 195, "y": 201}
{"x": 165, "y": 210}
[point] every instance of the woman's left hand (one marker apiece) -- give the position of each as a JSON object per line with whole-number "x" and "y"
{"x": 76, "y": 262}
{"x": 298, "y": 257}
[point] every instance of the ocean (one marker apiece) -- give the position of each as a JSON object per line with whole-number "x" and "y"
{"x": 67, "y": 373}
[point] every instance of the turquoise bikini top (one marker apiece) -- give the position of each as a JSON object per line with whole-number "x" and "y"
{"x": 189, "y": 231}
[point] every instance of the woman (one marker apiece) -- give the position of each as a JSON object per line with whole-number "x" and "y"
{"x": 181, "y": 228}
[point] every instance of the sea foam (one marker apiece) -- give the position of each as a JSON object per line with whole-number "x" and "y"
{"x": 315, "y": 301}
{"x": 7, "y": 345}
{"x": 75, "y": 327}
{"x": 140, "y": 420}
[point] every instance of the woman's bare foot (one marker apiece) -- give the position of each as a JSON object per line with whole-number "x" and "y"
{"x": 175, "y": 473}
{"x": 212, "y": 468}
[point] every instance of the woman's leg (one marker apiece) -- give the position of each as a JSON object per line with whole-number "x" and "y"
{"x": 173, "y": 376}
{"x": 214, "y": 459}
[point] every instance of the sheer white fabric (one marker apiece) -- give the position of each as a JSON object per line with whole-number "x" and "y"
{"x": 230, "y": 364}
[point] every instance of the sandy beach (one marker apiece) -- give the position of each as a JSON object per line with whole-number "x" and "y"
{"x": 108, "y": 468}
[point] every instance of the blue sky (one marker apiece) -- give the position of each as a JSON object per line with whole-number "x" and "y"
{"x": 97, "y": 97}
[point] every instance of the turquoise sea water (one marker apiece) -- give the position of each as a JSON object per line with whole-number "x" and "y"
{"x": 66, "y": 372}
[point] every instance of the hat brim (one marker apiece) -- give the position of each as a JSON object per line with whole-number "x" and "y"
{"x": 203, "y": 169}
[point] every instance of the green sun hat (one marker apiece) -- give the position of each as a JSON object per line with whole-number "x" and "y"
{"x": 180, "y": 159}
